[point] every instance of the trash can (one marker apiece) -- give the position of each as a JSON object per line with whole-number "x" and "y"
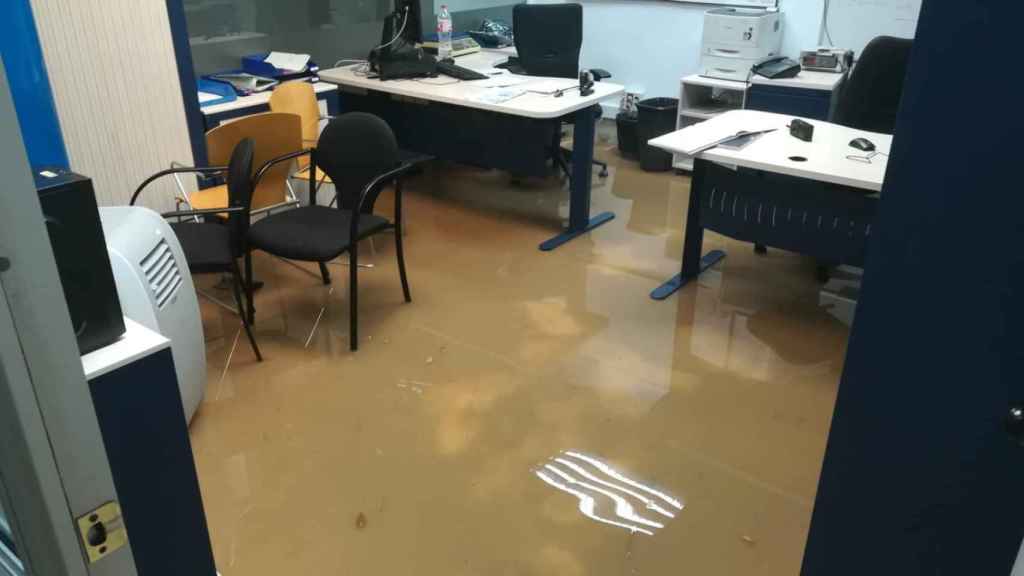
{"x": 625, "y": 124}
{"x": 657, "y": 118}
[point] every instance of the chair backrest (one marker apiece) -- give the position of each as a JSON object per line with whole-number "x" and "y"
{"x": 240, "y": 168}
{"x": 354, "y": 149}
{"x": 299, "y": 98}
{"x": 549, "y": 38}
{"x": 274, "y": 134}
{"x": 871, "y": 98}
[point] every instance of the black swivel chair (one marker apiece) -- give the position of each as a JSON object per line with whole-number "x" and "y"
{"x": 212, "y": 246}
{"x": 871, "y": 98}
{"x": 548, "y": 41}
{"x": 358, "y": 151}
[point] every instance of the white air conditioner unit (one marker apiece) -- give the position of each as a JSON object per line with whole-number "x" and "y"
{"x": 156, "y": 290}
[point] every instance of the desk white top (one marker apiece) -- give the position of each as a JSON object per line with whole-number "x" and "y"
{"x": 464, "y": 93}
{"x": 806, "y": 79}
{"x": 137, "y": 342}
{"x": 257, "y": 99}
{"x": 826, "y": 155}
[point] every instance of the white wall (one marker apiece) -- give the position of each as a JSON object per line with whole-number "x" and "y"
{"x": 115, "y": 81}
{"x": 654, "y": 43}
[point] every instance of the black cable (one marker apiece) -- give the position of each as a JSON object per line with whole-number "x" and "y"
{"x": 828, "y": 35}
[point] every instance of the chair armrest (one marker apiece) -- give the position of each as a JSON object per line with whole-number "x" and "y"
{"x": 170, "y": 171}
{"x": 369, "y": 194}
{"x": 203, "y": 212}
{"x": 274, "y": 161}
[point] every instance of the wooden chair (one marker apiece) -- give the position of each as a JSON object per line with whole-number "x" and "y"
{"x": 275, "y": 134}
{"x": 299, "y": 98}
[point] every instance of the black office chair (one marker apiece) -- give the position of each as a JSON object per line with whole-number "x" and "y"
{"x": 548, "y": 41}
{"x": 358, "y": 151}
{"x": 214, "y": 247}
{"x": 871, "y": 98}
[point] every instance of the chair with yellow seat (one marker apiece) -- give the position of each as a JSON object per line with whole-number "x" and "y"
{"x": 275, "y": 134}
{"x": 299, "y": 98}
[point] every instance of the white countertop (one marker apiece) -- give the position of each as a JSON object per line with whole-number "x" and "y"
{"x": 257, "y": 99}
{"x": 463, "y": 93}
{"x": 137, "y": 342}
{"x": 826, "y": 155}
{"x": 806, "y": 79}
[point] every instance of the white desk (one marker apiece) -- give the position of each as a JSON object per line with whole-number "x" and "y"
{"x": 826, "y": 155}
{"x": 529, "y": 105}
{"x": 806, "y": 80}
{"x": 258, "y": 99}
{"x": 448, "y": 91}
{"x": 823, "y": 205}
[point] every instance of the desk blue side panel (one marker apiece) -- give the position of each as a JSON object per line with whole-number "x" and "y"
{"x": 30, "y": 86}
{"x": 187, "y": 78}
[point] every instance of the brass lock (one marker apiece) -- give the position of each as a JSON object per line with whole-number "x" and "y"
{"x": 102, "y": 531}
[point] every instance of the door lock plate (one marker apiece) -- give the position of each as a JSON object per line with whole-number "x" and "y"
{"x": 102, "y": 531}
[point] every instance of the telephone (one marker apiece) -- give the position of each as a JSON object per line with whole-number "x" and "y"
{"x": 777, "y": 68}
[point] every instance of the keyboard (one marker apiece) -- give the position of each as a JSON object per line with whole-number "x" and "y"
{"x": 459, "y": 72}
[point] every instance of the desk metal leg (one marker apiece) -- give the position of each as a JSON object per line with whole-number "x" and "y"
{"x": 580, "y": 221}
{"x": 693, "y": 263}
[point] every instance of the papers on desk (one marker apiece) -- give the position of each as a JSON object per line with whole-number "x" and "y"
{"x": 498, "y": 95}
{"x": 500, "y": 81}
{"x": 205, "y": 97}
{"x": 697, "y": 138}
{"x": 551, "y": 86}
{"x": 288, "y": 61}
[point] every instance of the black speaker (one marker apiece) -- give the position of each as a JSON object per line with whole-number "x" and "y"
{"x": 76, "y": 235}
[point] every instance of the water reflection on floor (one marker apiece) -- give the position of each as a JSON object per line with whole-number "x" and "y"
{"x": 426, "y": 452}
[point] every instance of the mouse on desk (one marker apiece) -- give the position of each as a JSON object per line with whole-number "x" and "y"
{"x": 862, "y": 144}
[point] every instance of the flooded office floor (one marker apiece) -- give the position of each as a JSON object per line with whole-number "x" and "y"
{"x": 528, "y": 413}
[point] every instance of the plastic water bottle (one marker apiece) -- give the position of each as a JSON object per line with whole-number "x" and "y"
{"x": 444, "y": 33}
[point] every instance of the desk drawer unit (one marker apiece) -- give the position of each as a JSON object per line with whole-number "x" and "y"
{"x": 814, "y": 104}
{"x": 827, "y": 221}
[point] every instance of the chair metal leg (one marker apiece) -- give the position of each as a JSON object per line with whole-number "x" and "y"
{"x": 237, "y": 286}
{"x": 400, "y": 253}
{"x": 249, "y": 287}
{"x": 604, "y": 168}
{"x": 325, "y": 273}
{"x": 353, "y": 296}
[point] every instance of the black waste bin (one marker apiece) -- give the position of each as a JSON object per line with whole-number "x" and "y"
{"x": 625, "y": 124}
{"x": 657, "y": 118}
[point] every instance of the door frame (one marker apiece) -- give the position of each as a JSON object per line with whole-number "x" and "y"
{"x": 53, "y": 466}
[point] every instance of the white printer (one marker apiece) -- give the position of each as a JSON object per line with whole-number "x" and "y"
{"x": 735, "y": 39}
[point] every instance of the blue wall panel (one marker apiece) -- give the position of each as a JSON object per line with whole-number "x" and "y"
{"x": 30, "y": 85}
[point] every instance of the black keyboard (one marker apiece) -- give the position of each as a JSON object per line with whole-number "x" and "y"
{"x": 458, "y": 72}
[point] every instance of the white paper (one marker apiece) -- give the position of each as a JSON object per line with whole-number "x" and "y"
{"x": 205, "y": 97}
{"x": 502, "y": 81}
{"x": 498, "y": 95}
{"x": 551, "y": 86}
{"x": 288, "y": 61}
{"x": 694, "y": 137}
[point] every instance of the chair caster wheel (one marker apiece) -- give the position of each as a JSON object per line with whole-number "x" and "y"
{"x": 604, "y": 173}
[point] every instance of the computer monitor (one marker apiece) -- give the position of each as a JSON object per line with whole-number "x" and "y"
{"x": 406, "y": 20}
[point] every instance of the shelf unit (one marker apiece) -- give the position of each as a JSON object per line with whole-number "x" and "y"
{"x": 702, "y": 98}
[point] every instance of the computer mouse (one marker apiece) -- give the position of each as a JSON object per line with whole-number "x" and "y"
{"x": 863, "y": 144}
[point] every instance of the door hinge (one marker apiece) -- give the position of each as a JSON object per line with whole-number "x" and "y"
{"x": 102, "y": 531}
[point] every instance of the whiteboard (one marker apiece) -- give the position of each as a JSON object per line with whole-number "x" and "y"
{"x": 853, "y": 23}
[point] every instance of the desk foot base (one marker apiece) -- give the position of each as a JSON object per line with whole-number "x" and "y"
{"x": 669, "y": 288}
{"x": 602, "y": 218}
